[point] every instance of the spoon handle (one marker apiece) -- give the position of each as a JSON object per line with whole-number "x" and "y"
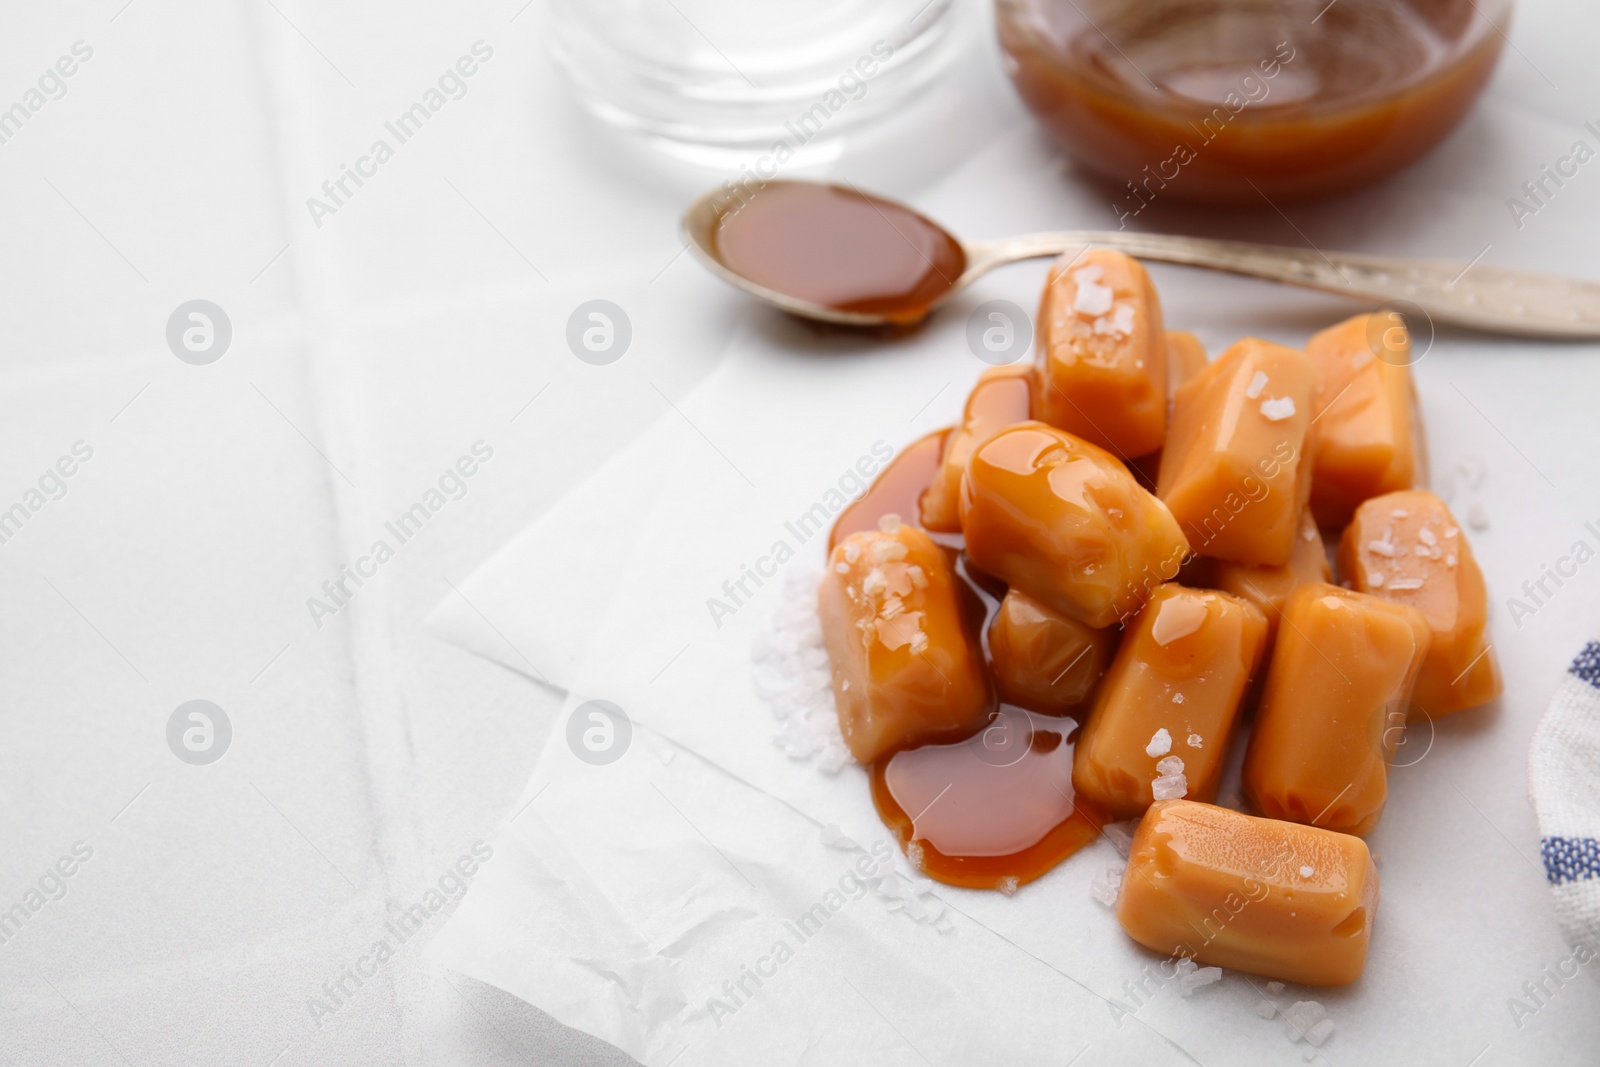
{"x": 1497, "y": 299}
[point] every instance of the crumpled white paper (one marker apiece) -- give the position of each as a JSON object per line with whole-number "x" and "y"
{"x": 639, "y": 898}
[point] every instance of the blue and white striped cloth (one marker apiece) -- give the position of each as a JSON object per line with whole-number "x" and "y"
{"x": 1564, "y": 781}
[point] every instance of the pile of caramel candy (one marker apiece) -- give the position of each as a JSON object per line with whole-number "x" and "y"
{"x": 1156, "y": 522}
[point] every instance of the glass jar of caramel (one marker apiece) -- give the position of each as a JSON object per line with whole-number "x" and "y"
{"x": 1230, "y": 100}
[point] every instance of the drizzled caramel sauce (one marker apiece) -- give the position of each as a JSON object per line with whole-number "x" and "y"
{"x": 995, "y": 809}
{"x": 838, "y": 247}
{"x": 896, "y": 491}
{"x": 992, "y": 812}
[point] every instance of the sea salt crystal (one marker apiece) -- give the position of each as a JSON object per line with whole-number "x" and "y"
{"x": 888, "y": 550}
{"x": 1423, "y": 551}
{"x": 1426, "y": 536}
{"x": 1301, "y": 1016}
{"x": 1450, "y": 560}
{"x": 1309, "y": 533}
{"x": 1452, "y": 531}
{"x": 789, "y": 672}
{"x": 1377, "y": 580}
{"x": 1266, "y": 1009}
{"x": 874, "y": 583}
{"x": 1381, "y": 548}
{"x": 1258, "y": 383}
{"x": 1320, "y": 1032}
{"x": 1169, "y": 787}
{"x": 1092, "y": 273}
{"x": 889, "y": 523}
{"x": 842, "y": 567}
{"x": 1007, "y": 885}
{"x": 1122, "y": 318}
{"x": 1188, "y": 983}
{"x": 1406, "y": 583}
{"x": 1092, "y": 299}
{"x": 1177, "y": 698}
{"x": 1399, "y": 513}
{"x": 1170, "y": 765}
{"x": 1307, "y": 872}
{"x": 1160, "y": 743}
{"x": 1118, "y": 323}
{"x": 1196, "y": 741}
{"x": 1477, "y": 518}
{"x": 833, "y": 837}
{"x": 1107, "y": 885}
{"x": 1278, "y": 408}
{"x": 1274, "y": 988}
{"x": 1119, "y": 835}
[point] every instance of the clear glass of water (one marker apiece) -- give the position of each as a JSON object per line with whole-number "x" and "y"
{"x": 730, "y": 81}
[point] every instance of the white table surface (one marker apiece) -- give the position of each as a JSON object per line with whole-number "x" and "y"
{"x": 367, "y": 355}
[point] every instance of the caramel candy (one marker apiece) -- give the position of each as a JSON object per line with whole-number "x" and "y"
{"x": 1366, "y": 435}
{"x": 1043, "y": 660}
{"x": 1406, "y": 547}
{"x": 1333, "y": 708}
{"x": 1165, "y": 714}
{"x": 904, "y": 667}
{"x": 1003, "y": 397}
{"x": 1268, "y": 588}
{"x": 1186, "y": 358}
{"x": 1103, "y": 353}
{"x": 1236, "y": 469}
{"x": 1229, "y": 890}
{"x": 1064, "y": 522}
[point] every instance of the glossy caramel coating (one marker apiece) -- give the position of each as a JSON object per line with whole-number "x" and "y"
{"x": 1230, "y": 890}
{"x": 1366, "y": 430}
{"x": 1003, "y": 397}
{"x": 1184, "y": 665}
{"x": 1407, "y": 547}
{"x": 895, "y": 491}
{"x": 1064, "y": 521}
{"x": 1236, "y": 468}
{"x": 1103, "y": 352}
{"x": 1043, "y": 660}
{"x": 1334, "y": 708}
{"x": 905, "y": 668}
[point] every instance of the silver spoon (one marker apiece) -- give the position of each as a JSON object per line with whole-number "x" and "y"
{"x": 1497, "y": 299}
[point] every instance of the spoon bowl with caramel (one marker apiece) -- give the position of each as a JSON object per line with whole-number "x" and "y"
{"x": 837, "y": 254}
